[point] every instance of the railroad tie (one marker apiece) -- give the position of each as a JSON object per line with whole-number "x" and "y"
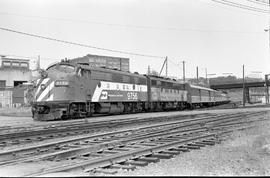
{"x": 181, "y": 149}
{"x": 208, "y": 142}
{"x": 149, "y": 159}
{"x": 213, "y": 140}
{"x": 133, "y": 147}
{"x": 109, "y": 152}
{"x": 119, "y": 166}
{"x": 105, "y": 171}
{"x": 162, "y": 155}
{"x": 137, "y": 163}
{"x": 192, "y": 147}
{"x": 175, "y": 152}
{"x": 147, "y": 144}
{"x": 120, "y": 149}
{"x": 169, "y": 139}
{"x": 198, "y": 144}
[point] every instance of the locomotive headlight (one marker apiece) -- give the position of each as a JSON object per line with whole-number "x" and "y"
{"x": 42, "y": 86}
{"x": 63, "y": 83}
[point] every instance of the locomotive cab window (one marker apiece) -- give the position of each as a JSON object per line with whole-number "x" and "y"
{"x": 86, "y": 73}
{"x": 63, "y": 68}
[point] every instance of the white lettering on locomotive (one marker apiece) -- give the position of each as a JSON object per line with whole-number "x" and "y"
{"x": 132, "y": 96}
{"x": 104, "y": 95}
{"x": 119, "y": 87}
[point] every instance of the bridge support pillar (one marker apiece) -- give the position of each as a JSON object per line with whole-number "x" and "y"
{"x": 247, "y": 98}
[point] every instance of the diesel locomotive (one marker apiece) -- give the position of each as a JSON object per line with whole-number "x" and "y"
{"x": 69, "y": 90}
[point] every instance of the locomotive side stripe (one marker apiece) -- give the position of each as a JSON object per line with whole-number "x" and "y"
{"x": 116, "y": 86}
{"x": 50, "y": 98}
{"x": 128, "y": 87}
{"x": 97, "y": 93}
{"x": 46, "y": 91}
{"x": 44, "y": 81}
{"x": 38, "y": 85}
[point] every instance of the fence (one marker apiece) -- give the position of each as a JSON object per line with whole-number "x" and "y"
{"x": 6, "y": 98}
{"x": 16, "y": 97}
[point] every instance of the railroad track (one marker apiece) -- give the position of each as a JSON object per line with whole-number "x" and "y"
{"x": 139, "y": 152}
{"x": 29, "y": 134}
{"x": 102, "y": 150}
{"x": 74, "y": 142}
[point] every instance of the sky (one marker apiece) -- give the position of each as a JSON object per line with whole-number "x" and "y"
{"x": 203, "y": 33}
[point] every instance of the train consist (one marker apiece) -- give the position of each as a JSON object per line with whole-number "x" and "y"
{"x": 72, "y": 90}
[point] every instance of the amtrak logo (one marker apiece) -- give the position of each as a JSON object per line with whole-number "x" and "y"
{"x": 104, "y": 95}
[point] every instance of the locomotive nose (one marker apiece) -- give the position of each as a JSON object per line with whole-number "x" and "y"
{"x": 45, "y": 88}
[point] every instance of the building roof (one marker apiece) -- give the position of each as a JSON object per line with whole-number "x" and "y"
{"x": 14, "y": 59}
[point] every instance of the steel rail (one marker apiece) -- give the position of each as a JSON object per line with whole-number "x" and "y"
{"x": 157, "y": 136}
{"x": 12, "y": 154}
{"x": 39, "y": 137}
{"x": 123, "y": 156}
{"x": 109, "y": 160}
{"x": 85, "y": 125}
{"x": 81, "y": 129}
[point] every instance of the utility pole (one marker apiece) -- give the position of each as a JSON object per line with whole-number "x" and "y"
{"x": 206, "y": 76}
{"x": 165, "y": 62}
{"x": 244, "y": 98}
{"x": 266, "y": 89}
{"x": 148, "y": 70}
{"x": 166, "y": 66}
{"x": 197, "y": 74}
{"x": 184, "y": 79}
{"x": 266, "y": 76}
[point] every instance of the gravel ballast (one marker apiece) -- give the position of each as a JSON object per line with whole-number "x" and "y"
{"x": 244, "y": 153}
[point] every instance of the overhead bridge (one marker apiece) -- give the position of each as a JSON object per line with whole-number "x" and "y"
{"x": 238, "y": 85}
{"x": 246, "y": 88}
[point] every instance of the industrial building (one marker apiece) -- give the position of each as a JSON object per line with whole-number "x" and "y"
{"x": 13, "y": 72}
{"x": 16, "y": 71}
{"x": 118, "y": 63}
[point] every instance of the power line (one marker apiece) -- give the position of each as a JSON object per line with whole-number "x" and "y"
{"x": 214, "y": 4}
{"x": 241, "y": 6}
{"x": 129, "y": 26}
{"x": 263, "y": 2}
{"x": 245, "y": 6}
{"x": 259, "y": 2}
{"x": 77, "y": 44}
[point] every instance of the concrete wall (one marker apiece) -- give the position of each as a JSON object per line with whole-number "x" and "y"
{"x": 11, "y": 75}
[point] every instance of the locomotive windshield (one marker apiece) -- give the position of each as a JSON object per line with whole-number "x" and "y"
{"x": 63, "y": 68}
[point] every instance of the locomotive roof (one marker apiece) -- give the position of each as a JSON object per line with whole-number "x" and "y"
{"x": 110, "y": 70}
{"x": 202, "y": 88}
{"x": 165, "y": 79}
{"x": 87, "y": 67}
